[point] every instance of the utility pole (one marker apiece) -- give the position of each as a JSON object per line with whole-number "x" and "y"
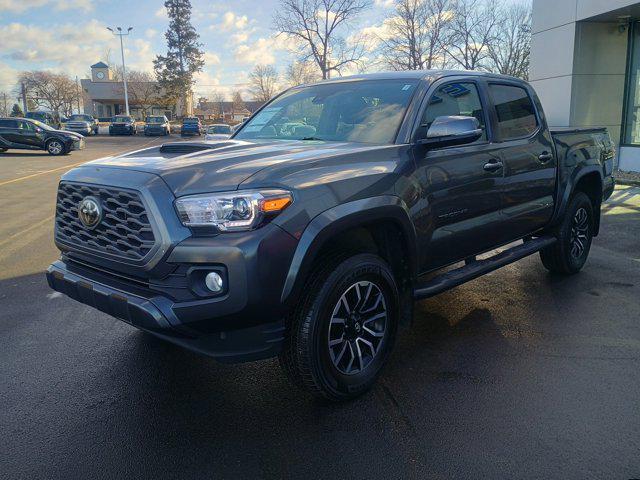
{"x": 23, "y": 91}
{"x": 124, "y": 71}
{"x": 5, "y": 111}
{"x": 78, "y": 94}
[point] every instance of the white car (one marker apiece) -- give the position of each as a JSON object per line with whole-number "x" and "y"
{"x": 218, "y": 131}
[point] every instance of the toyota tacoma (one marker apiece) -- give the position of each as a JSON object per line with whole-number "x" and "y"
{"x": 311, "y": 243}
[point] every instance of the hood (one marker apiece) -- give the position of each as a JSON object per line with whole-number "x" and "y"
{"x": 67, "y": 133}
{"x": 217, "y": 136}
{"x": 199, "y": 167}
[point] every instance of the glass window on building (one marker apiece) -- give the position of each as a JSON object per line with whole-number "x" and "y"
{"x": 632, "y": 120}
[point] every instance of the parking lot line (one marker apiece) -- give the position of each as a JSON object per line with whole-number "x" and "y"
{"x": 26, "y": 177}
{"x": 7, "y": 182}
{"x": 26, "y": 230}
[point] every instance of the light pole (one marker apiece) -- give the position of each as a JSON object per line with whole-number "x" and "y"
{"x": 124, "y": 71}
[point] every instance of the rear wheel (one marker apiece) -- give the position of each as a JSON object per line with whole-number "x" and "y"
{"x": 55, "y": 147}
{"x": 569, "y": 254}
{"x": 2, "y": 149}
{"x": 343, "y": 329}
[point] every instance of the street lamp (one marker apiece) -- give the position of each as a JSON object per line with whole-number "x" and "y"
{"x": 124, "y": 72}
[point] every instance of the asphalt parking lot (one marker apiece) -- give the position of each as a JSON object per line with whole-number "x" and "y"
{"x": 519, "y": 374}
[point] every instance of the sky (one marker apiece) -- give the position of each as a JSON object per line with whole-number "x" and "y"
{"x": 71, "y": 35}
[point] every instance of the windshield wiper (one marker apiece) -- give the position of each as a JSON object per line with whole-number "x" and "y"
{"x": 312, "y": 138}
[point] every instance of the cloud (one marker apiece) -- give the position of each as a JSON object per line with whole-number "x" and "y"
{"x": 19, "y": 6}
{"x": 231, "y": 21}
{"x": 162, "y": 13}
{"x": 259, "y": 52}
{"x": 211, "y": 59}
{"x": 85, "y": 5}
{"x": 150, "y": 32}
{"x": 64, "y": 47}
{"x": 384, "y": 3}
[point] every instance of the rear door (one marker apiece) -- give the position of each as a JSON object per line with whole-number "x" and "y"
{"x": 527, "y": 155}
{"x": 8, "y": 132}
{"x": 459, "y": 213}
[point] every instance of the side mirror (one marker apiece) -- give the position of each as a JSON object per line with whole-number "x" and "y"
{"x": 38, "y": 130}
{"x": 452, "y": 130}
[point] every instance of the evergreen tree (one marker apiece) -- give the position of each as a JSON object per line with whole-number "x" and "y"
{"x": 184, "y": 57}
{"x": 16, "y": 111}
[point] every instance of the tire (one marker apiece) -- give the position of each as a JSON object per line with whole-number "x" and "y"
{"x": 338, "y": 359}
{"x": 55, "y": 147}
{"x": 2, "y": 149}
{"x": 569, "y": 254}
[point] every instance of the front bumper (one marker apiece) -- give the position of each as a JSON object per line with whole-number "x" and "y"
{"x": 155, "y": 131}
{"x": 244, "y": 323}
{"x": 121, "y": 130}
{"x": 81, "y": 130}
{"x": 78, "y": 144}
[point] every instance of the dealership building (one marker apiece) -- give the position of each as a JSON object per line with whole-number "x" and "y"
{"x": 585, "y": 66}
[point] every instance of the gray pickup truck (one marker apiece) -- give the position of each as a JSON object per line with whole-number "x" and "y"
{"x": 310, "y": 232}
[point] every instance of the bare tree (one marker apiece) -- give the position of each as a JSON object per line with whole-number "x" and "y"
{"x": 509, "y": 53}
{"x": 55, "y": 91}
{"x": 413, "y": 34}
{"x": 263, "y": 81}
{"x": 143, "y": 90}
{"x": 299, "y": 73}
{"x": 473, "y": 28}
{"x": 317, "y": 28}
{"x": 238, "y": 104}
{"x": 218, "y": 99}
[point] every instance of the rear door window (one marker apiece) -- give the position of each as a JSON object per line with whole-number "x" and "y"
{"x": 457, "y": 99}
{"x": 515, "y": 111}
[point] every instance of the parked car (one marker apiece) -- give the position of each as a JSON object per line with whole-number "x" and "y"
{"x": 313, "y": 247}
{"x": 157, "y": 126}
{"x": 190, "y": 126}
{"x": 218, "y": 131}
{"x": 82, "y": 123}
{"x": 122, "y": 125}
{"x": 48, "y": 118}
{"x": 28, "y": 134}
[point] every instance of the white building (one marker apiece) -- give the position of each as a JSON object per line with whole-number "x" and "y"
{"x": 585, "y": 66}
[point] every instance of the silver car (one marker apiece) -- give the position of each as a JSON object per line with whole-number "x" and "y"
{"x": 218, "y": 131}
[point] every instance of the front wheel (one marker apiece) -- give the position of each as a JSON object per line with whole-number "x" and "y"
{"x": 341, "y": 333}
{"x": 569, "y": 254}
{"x": 55, "y": 147}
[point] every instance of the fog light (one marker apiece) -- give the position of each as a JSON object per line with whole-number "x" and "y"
{"x": 213, "y": 281}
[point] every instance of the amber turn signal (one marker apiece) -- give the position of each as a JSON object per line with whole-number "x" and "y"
{"x": 269, "y": 205}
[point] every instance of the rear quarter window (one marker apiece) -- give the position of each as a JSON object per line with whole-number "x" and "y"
{"x": 515, "y": 111}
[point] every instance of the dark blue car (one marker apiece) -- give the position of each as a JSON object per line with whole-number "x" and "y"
{"x": 191, "y": 126}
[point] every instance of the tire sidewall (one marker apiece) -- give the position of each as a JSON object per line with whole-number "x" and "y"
{"x": 362, "y": 267}
{"x": 579, "y": 201}
{"x": 62, "y": 150}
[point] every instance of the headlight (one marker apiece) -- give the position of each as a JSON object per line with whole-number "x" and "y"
{"x": 232, "y": 211}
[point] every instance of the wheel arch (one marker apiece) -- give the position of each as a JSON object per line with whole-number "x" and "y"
{"x": 589, "y": 180}
{"x": 379, "y": 225}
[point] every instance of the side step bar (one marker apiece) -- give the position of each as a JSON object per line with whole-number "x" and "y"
{"x": 476, "y": 268}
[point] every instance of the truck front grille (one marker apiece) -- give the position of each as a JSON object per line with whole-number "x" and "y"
{"x": 124, "y": 230}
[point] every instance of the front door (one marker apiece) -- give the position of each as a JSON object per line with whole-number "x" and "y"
{"x": 527, "y": 155}
{"x": 459, "y": 212}
{"x": 30, "y": 135}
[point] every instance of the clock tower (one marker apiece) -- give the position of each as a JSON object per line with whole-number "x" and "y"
{"x": 100, "y": 72}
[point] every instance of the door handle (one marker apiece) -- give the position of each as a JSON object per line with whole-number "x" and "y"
{"x": 544, "y": 157}
{"x": 492, "y": 166}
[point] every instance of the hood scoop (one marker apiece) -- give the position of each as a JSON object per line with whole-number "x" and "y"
{"x": 184, "y": 147}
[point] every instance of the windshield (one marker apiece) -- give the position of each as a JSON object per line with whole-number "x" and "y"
{"x": 224, "y": 129}
{"x": 357, "y": 111}
{"x": 122, "y": 118}
{"x": 190, "y": 120}
{"x": 155, "y": 120}
{"x": 43, "y": 126}
{"x": 38, "y": 115}
{"x": 84, "y": 118}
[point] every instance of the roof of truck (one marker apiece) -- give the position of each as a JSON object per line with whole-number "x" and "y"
{"x": 418, "y": 75}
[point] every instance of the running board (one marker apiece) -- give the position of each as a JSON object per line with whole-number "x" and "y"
{"x": 476, "y": 268}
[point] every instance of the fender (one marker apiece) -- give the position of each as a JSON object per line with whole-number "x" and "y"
{"x": 341, "y": 218}
{"x": 566, "y": 190}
